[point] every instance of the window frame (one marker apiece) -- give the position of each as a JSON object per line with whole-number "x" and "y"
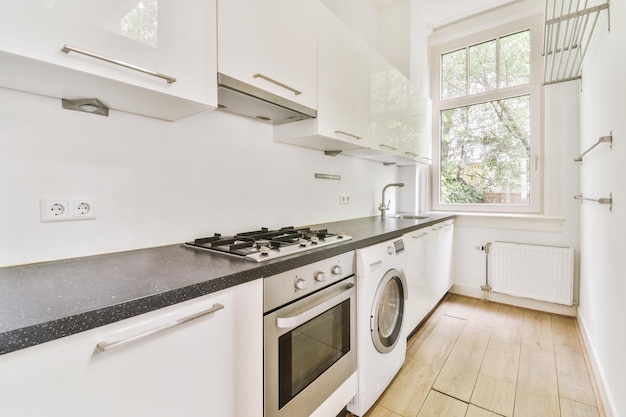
{"x": 467, "y": 39}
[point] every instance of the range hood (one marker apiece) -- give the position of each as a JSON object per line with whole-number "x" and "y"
{"x": 238, "y": 97}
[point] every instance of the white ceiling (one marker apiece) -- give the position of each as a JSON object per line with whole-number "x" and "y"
{"x": 441, "y": 12}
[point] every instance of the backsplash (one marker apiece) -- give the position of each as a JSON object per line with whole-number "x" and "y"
{"x": 159, "y": 183}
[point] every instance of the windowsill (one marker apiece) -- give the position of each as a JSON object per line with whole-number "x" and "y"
{"x": 530, "y": 222}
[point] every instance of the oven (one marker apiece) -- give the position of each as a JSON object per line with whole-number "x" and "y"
{"x": 309, "y": 336}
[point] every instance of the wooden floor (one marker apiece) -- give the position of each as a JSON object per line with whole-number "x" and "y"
{"x": 479, "y": 359}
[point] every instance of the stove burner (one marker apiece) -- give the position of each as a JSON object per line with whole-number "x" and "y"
{"x": 264, "y": 244}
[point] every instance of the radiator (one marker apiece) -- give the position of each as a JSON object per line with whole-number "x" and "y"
{"x": 544, "y": 273}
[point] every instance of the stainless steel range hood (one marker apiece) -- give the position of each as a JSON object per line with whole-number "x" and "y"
{"x": 244, "y": 99}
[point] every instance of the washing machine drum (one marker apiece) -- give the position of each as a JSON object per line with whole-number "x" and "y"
{"x": 387, "y": 311}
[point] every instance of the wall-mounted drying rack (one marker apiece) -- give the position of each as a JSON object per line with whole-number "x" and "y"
{"x": 568, "y": 31}
{"x": 601, "y": 139}
{"x": 606, "y": 200}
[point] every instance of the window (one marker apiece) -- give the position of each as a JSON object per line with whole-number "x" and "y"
{"x": 487, "y": 97}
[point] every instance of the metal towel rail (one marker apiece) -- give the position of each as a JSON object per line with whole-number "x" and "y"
{"x": 601, "y": 139}
{"x": 568, "y": 31}
{"x": 606, "y": 200}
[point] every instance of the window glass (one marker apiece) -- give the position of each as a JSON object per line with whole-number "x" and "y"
{"x": 482, "y": 67}
{"x": 454, "y": 74}
{"x": 485, "y": 153}
{"x": 515, "y": 59}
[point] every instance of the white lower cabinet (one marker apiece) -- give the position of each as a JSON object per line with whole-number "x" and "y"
{"x": 439, "y": 257}
{"x": 208, "y": 366}
{"x": 418, "y": 305}
{"x": 428, "y": 270}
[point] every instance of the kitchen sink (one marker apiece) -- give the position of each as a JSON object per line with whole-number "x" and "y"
{"x": 411, "y": 216}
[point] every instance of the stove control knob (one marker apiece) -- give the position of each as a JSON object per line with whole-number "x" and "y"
{"x": 315, "y": 239}
{"x": 303, "y": 242}
{"x": 300, "y": 283}
{"x": 390, "y": 250}
{"x": 319, "y": 276}
{"x": 336, "y": 270}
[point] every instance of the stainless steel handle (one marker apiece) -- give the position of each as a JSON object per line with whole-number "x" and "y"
{"x": 106, "y": 346}
{"x": 411, "y": 154}
{"x": 604, "y": 200}
{"x": 67, "y": 49}
{"x": 297, "y": 320}
{"x": 278, "y": 83}
{"x": 341, "y": 132}
{"x": 383, "y": 145}
{"x": 601, "y": 139}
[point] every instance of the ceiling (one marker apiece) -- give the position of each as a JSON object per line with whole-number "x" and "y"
{"x": 441, "y": 12}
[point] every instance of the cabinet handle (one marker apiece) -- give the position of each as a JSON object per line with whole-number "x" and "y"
{"x": 106, "y": 346}
{"x": 67, "y": 49}
{"x": 341, "y": 132}
{"x": 297, "y": 320}
{"x": 266, "y": 78}
{"x": 422, "y": 235}
{"x": 411, "y": 154}
{"x": 383, "y": 145}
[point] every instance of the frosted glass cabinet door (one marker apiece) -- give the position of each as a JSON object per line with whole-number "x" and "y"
{"x": 274, "y": 38}
{"x": 386, "y": 96}
{"x": 175, "y": 38}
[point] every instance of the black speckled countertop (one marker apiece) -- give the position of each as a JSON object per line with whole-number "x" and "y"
{"x": 45, "y": 301}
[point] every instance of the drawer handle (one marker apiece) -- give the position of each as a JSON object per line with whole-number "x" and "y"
{"x": 67, "y": 49}
{"x": 383, "y": 145}
{"x": 273, "y": 81}
{"x": 106, "y": 346}
{"x": 341, "y": 132}
{"x": 411, "y": 154}
{"x": 419, "y": 236}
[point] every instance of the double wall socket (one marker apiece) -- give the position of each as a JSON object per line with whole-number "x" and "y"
{"x": 65, "y": 209}
{"x": 344, "y": 199}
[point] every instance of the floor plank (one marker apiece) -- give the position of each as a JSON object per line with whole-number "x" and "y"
{"x": 497, "y": 380}
{"x": 378, "y": 411}
{"x": 458, "y": 375}
{"x": 571, "y": 408}
{"x": 484, "y": 315}
{"x": 537, "y": 389}
{"x": 459, "y": 306}
{"x": 572, "y": 372}
{"x": 440, "y": 405}
{"x": 410, "y": 388}
{"x": 473, "y": 411}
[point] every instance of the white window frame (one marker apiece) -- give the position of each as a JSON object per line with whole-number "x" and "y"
{"x": 534, "y": 89}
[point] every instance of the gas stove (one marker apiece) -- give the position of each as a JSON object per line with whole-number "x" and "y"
{"x": 264, "y": 244}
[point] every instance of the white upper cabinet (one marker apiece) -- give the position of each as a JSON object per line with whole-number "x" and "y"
{"x": 151, "y": 57}
{"x": 342, "y": 89}
{"x": 399, "y": 119}
{"x": 386, "y": 100}
{"x": 272, "y": 45}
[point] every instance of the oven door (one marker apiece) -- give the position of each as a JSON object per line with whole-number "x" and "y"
{"x": 309, "y": 350}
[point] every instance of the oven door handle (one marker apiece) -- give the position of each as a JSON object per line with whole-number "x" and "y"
{"x": 297, "y": 320}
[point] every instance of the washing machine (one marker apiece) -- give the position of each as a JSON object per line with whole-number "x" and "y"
{"x": 381, "y": 343}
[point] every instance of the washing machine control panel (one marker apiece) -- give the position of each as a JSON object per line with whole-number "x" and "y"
{"x": 397, "y": 248}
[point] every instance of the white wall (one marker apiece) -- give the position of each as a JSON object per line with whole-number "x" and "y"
{"x": 159, "y": 183}
{"x": 603, "y": 233}
{"x": 558, "y": 226}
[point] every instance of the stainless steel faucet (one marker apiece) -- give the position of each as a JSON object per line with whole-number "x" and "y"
{"x": 382, "y": 206}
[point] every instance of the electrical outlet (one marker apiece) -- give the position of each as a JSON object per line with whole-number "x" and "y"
{"x": 84, "y": 209}
{"x": 344, "y": 199}
{"x": 66, "y": 209}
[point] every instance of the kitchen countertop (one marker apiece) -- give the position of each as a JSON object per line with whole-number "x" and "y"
{"x": 45, "y": 301}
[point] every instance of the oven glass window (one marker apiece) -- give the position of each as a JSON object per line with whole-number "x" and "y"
{"x": 307, "y": 351}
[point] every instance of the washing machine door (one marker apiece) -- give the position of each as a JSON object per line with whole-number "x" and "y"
{"x": 388, "y": 311}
